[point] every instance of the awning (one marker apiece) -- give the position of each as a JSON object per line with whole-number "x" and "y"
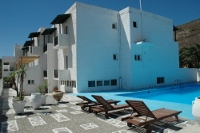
{"x": 25, "y": 60}
{"x": 28, "y": 43}
{"x": 34, "y": 34}
{"x": 23, "y": 48}
{"x": 48, "y": 31}
{"x": 60, "y": 18}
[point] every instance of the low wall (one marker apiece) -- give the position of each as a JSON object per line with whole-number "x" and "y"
{"x": 188, "y": 75}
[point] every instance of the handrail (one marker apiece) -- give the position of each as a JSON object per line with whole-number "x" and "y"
{"x": 178, "y": 82}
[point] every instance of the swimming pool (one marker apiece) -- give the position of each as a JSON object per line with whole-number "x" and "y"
{"x": 184, "y": 95}
{"x": 172, "y": 97}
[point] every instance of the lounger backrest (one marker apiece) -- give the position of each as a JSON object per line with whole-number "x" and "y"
{"x": 141, "y": 108}
{"x": 86, "y": 99}
{"x": 103, "y": 102}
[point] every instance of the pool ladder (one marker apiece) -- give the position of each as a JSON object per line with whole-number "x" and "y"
{"x": 178, "y": 82}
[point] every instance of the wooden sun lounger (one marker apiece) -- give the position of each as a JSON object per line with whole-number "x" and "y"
{"x": 90, "y": 103}
{"x": 106, "y": 107}
{"x": 145, "y": 117}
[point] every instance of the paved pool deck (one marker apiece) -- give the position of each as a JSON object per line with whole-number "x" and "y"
{"x": 66, "y": 117}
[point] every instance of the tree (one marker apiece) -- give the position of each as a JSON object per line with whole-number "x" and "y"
{"x": 21, "y": 73}
{"x": 12, "y": 80}
{"x": 44, "y": 87}
{"x": 190, "y": 56}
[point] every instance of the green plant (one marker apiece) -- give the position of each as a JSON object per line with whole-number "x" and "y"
{"x": 21, "y": 75}
{"x": 43, "y": 88}
{"x": 190, "y": 56}
{"x": 12, "y": 81}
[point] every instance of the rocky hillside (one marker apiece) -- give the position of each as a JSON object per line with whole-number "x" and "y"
{"x": 189, "y": 33}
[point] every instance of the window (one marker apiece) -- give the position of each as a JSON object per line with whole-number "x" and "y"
{"x": 12, "y": 69}
{"x": 115, "y": 57}
{"x": 68, "y": 83}
{"x": 66, "y": 61}
{"x": 31, "y": 49}
{"x": 55, "y": 73}
{"x": 113, "y": 82}
{"x": 160, "y": 80}
{"x": 45, "y": 73}
{"x": 6, "y": 63}
{"x": 99, "y": 83}
{"x": 106, "y": 82}
{"x": 74, "y": 83}
{"x": 114, "y": 26}
{"x": 30, "y": 82}
{"x": 134, "y": 24}
{"x": 137, "y": 57}
{"x": 91, "y": 83}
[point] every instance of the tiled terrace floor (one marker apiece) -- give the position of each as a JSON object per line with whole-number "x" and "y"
{"x": 66, "y": 117}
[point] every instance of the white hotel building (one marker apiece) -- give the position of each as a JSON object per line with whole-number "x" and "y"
{"x": 90, "y": 48}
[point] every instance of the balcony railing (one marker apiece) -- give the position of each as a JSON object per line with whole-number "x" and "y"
{"x": 45, "y": 73}
{"x": 64, "y": 74}
{"x": 55, "y": 73}
{"x": 34, "y": 50}
{"x": 61, "y": 41}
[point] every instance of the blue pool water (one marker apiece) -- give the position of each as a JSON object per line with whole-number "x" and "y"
{"x": 172, "y": 97}
{"x": 175, "y": 94}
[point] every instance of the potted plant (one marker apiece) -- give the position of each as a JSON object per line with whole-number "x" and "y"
{"x": 43, "y": 88}
{"x": 19, "y": 102}
{"x": 57, "y": 94}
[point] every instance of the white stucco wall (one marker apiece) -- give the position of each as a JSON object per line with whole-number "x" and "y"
{"x": 69, "y": 51}
{"x": 11, "y": 60}
{"x": 125, "y": 49}
{"x": 159, "y": 54}
{"x": 52, "y": 65}
{"x": 33, "y": 73}
{"x": 18, "y": 51}
{"x": 96, "y": 44}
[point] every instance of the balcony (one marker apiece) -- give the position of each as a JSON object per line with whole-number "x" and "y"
{"x": 64, "y": 74}
{"x": 34, "y": 50}
{"x": 61, "y": 41}
{"x": 55, "y": 73}
{"x": 61, "y": 74}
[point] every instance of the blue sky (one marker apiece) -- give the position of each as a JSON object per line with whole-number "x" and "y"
{"x": 18, "y": 18}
